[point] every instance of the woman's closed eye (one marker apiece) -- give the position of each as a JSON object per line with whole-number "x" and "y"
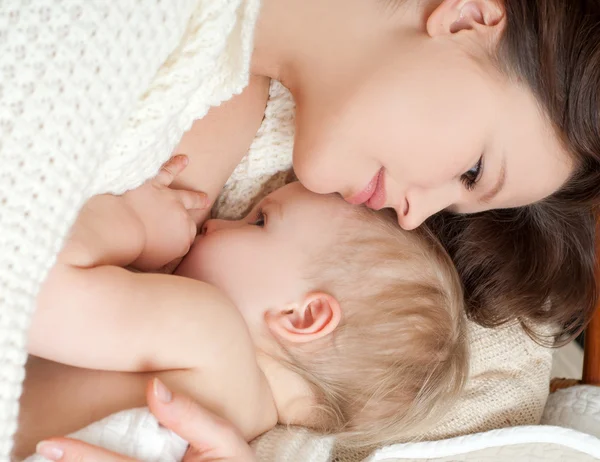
{"x": 473, "y": 175}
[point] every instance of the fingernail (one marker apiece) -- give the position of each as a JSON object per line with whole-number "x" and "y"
{"x": 204, "y": 198}
{"x": 49, "y": 450}
{"x": 162, "y": 392}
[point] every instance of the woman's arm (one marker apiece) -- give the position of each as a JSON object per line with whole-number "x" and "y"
{"x": 217, "y": 143}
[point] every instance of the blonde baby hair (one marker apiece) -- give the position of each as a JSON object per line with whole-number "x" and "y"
{"x": 399, "y": 358}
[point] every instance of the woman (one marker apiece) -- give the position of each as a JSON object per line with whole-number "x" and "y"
{"x": 426, "y": 106}
{"x": 454, "y": 106}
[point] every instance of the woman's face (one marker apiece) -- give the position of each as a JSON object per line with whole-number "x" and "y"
{"x": 425, "y": 124}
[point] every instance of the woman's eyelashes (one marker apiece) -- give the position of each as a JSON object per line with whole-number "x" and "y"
{"x": 473, "y": 175}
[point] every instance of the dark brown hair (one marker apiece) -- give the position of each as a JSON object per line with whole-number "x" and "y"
{"x": 536, "y": 264}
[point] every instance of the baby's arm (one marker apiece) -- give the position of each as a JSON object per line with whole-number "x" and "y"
{"x": 93, "y": 313}
{"x": 113, "y": 319}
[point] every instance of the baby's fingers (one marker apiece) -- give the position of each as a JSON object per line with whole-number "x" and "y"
{"x": 169, "y": 171}
{"x": 199, "y": 216}
{"x": 192, "y": 199}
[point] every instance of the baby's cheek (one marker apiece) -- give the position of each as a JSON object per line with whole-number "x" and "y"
{"x": 212, "y": 260}
{"x": 194, "y": 263}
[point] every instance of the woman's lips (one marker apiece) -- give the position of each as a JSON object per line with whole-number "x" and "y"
{"x": 377, "y": 200}
{"x": 373, "y": 195}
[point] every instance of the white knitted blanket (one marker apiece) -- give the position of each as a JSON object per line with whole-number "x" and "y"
{"x": 94, "y": 95}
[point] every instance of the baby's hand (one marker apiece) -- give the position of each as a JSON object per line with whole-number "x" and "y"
{"x": 170, "y": 217}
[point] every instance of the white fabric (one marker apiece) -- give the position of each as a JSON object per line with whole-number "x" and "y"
{"x": 569, "y": 441}
{"x": 134, "y": 433}
{"x": 576, "y": 407}
{"x": 94, "y": 95}
{"x": 526, "y": 452}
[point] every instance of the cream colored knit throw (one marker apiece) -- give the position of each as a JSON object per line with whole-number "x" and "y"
{"x": 94, "y": 95}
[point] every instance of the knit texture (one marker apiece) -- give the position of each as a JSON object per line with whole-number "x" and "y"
{"x": 94, "y": 96}
{"x": 269, "y": 159}
{"x": 509, "y": 373}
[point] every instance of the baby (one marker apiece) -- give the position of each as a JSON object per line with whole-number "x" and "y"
{"x": 310, "y": 312}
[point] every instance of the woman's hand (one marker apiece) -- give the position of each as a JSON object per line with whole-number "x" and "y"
{"x": 211, "y": 438}
{"x": 170, "y": 217}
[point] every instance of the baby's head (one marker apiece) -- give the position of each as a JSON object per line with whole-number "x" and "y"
{"x": 359, "y": 325}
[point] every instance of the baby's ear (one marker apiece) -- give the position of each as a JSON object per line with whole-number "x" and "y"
{"x": 315, "y": 317}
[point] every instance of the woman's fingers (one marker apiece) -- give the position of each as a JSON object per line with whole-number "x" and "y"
{"x": 211, "y": 437}
{"x": 69, "y": 450}
{"x": 169, "y": 171}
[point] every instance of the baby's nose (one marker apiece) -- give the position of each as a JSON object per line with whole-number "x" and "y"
{"x": 208, "y": 227}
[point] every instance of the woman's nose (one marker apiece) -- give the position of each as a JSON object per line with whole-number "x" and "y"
{"x": 421, "y": 203}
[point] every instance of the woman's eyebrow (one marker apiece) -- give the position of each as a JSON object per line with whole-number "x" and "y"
{"x": 489, "y": 196}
